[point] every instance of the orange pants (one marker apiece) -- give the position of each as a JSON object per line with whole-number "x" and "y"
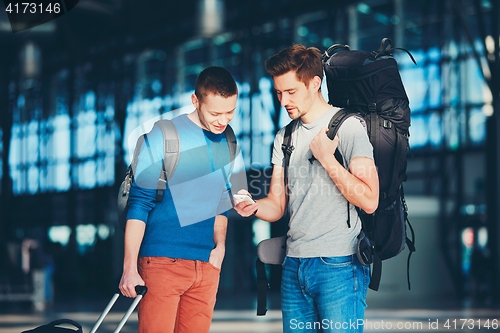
{"x": 181, "y": 295}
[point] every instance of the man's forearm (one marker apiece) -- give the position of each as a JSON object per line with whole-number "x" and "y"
{"x": 270, "y": 209}
{"x": 134, "y": 233}
{"x": 220, "y": 230}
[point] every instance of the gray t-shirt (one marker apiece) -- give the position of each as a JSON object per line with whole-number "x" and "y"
{"x": 318, "y": 222}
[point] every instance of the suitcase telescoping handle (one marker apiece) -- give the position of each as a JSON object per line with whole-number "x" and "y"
{"x": 140, "y": 290}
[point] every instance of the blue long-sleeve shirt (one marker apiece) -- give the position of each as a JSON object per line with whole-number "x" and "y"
{"x": 182, "y": 224}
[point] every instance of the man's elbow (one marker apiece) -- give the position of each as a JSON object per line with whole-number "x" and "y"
{"x": 371, "y": 205}
{"x": 274, "y": 217}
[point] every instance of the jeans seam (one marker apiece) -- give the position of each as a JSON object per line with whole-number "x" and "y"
{"x": 355, "y": 273}
{"x": 366, "y": 274}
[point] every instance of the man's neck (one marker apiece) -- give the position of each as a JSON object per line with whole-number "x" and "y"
{"x": 318, "y": 108}
{"x": 195, "y": 118}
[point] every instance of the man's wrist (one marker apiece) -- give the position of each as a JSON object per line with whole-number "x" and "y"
{"x": 220, "y": 246}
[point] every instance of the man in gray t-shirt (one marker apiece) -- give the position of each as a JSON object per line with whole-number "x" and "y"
{"x": 318, "y": 211}
{"x": 324, "y": 286}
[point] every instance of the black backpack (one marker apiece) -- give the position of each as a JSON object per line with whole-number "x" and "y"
{"x": 368, "y": 85}
{"x": 171, "y": 158}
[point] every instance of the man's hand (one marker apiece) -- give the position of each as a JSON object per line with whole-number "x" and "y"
{"x": 217, "y": 256}
{"x": 128, "y": 282}
{"x": 322, "y": 147}
{"x": 246, "y": 209}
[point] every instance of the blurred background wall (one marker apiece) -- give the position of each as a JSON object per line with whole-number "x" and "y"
{"x": 75, "y": 91}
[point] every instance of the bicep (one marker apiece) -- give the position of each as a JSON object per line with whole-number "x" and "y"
{"x": 365, "y": 170}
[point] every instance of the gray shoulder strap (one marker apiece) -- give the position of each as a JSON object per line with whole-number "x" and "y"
{"x": 233, "y": 146}
{"x": 171, "y": 145}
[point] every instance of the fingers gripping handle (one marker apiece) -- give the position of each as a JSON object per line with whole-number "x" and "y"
{"x": 140, "y": 290}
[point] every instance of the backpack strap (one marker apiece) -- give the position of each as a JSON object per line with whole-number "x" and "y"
{"x": 411, "y": 247}
{"x": 162, "y": 180}
{"x": 409, "y": 243}
{"x": 333, "y": 127}
{"x": 233, "y": 147}
{"x": 376, "y": 272}
{"x": 133, "y": 164}
{"x": 334, "y": 49}
{"x": 287, "y": 148}
{"x": 232, "y": 144}
{"x": 171, "y": 147}
{"x": 262, "y": 286}
{"x": 386, "y": 49}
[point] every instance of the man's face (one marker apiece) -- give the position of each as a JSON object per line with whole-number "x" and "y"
{"x": 215, "y": 112}
{"x": 293, "y": 94}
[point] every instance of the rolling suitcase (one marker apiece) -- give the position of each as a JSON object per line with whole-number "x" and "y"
{"x": 55, "y": 326}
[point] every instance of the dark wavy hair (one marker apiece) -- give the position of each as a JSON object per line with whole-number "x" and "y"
{"x": 305, "y": 61}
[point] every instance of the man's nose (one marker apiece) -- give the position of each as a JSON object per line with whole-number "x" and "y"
{"x": 284, "y": 100}
{"x": 224, "y": 120}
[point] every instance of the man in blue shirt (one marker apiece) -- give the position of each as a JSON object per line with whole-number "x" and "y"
{"x": 176, "y": 246}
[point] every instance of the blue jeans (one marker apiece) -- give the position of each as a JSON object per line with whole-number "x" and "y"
{"x": 325, "y": 294}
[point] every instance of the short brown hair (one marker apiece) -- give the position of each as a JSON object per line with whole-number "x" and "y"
{"x": 215, "y": 80}
{"x": 305, "y": 61}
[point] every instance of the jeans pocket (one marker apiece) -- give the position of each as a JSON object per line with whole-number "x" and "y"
{"x": 337, "y": 261}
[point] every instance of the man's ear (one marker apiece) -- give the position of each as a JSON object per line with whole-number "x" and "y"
{"x": 195, "y": 101}
{"x": 316, "y": 82}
